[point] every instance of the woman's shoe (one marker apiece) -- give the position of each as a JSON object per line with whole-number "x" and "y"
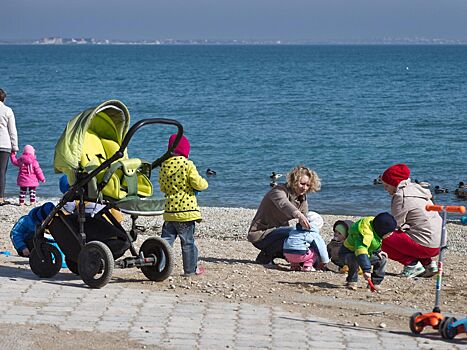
{"x": 431, "y": 269}
{"x": 411, "y": 271}
{"x": 263, "y": 258}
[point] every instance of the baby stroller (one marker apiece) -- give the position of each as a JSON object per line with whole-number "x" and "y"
{"x": 92, "y": 152}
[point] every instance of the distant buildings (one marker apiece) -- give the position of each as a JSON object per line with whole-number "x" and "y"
{"x": 92, "y": 41}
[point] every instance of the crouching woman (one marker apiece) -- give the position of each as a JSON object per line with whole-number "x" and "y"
{"x": 270, "y": 226}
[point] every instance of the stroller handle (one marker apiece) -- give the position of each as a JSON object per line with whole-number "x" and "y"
{"x": 448, "y": 208}
{"x": 144, "y": 122}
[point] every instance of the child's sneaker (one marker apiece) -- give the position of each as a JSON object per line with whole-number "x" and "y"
{"x": 431, "y": 269}
{"x": 411, "y": 271}
{"x": 308, "y": 269}
{"x": 378, "y": 288}
{"x": 351, "y": 285}
{"x": 199, "y": 271}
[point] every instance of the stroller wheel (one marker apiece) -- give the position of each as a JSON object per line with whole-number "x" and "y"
{"x": 161, "y": 250}
{"x": 49, "y": 265}
{"x": 445, "y": 330}
{"x": 72, "y": 266}
{"x": 95, "y": 264}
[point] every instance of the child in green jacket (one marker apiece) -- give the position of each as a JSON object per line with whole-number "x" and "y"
{"x": 362, "y": 248}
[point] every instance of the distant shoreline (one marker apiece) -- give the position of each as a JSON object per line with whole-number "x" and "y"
{"x": 57, "y": 41}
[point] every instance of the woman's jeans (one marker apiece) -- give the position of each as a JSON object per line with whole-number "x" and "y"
{"x": 379, "y": 266}
{"x": 186, "y": 232}
{"x": 271, "y": 245}
{"x": 4, "y": 158}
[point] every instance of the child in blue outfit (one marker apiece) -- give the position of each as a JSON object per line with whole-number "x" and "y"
{"x": 305, "y": 249}
{"x": 23, "y": 231}
{"x": 362, "y": 248}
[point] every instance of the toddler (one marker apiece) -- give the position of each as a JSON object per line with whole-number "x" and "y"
{"x": 23, "y": 231}
{"x": 341, "y": 230}
{"x": 304, "y": 248}
{"x": 362, "y": 247}
{"x": 179, "y": 180}
{"x": 29, "y": 174}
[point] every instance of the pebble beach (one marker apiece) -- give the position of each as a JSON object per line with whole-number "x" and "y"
{"x": 224, "y": 224}
{"x": 232, "y": 275}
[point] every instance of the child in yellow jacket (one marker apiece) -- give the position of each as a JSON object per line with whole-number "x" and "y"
{"x": 179, "y": 180}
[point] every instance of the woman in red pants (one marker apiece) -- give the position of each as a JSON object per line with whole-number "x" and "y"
{"x": 418, "y": 239}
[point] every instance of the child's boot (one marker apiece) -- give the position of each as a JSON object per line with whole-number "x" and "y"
{"x": 295, "y": 267}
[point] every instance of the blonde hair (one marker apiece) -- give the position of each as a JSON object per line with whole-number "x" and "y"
{"x": 294, "y": 176}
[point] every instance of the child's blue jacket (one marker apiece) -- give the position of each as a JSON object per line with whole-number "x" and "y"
{"x": 24, "y": 229}
{"x": 299, "y": 242}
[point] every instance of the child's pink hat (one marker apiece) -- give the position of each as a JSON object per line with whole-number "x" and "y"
{"x": 29, "y": 149}
{"x": 183, "y": 147}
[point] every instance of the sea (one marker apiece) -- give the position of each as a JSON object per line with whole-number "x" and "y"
{"x": 346, "y": 111}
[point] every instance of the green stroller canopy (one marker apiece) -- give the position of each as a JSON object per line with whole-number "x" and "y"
{"x": 110, "y": 119}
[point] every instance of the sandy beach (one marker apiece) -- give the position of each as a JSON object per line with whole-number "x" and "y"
{"x": 232, "y": 274}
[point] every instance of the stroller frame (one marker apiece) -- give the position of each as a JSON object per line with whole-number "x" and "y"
{"x": 95, "y": 262}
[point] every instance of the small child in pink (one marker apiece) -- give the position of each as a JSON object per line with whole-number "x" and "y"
{"x": 305, "y": 249}
{"x": 29, "y": 174}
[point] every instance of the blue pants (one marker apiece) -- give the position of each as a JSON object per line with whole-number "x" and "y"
{"x": 271, "y": 245}
{"x": 186, "y": 232}
{"x": 379, "y": 266}
{"x": 274, "y": 241}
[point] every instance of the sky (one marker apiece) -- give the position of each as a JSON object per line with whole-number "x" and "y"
{"x": 308, "y": 20}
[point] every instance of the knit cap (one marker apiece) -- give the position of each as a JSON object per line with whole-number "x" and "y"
{"x": 342, "y": 229}
{"x": 29, "y": 150}
{"x": 183, "y": 147}
{"x": 395, "y": 174}
{"x": 383, "y": 223}
{"x": 38, "y": 214}
{"x": 314, "y": 218}
{"x": 342, "y": 226}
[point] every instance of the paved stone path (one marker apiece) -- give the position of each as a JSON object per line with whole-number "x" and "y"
{"x": 185, "y": 322}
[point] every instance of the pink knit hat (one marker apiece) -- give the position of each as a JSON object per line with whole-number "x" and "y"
{"x": 183, "y": 147}
{"x": 395, "y": 174}
{"x": 29, "y": 149}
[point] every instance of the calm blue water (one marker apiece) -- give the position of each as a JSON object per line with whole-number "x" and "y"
{"x": 346, "y": 111}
